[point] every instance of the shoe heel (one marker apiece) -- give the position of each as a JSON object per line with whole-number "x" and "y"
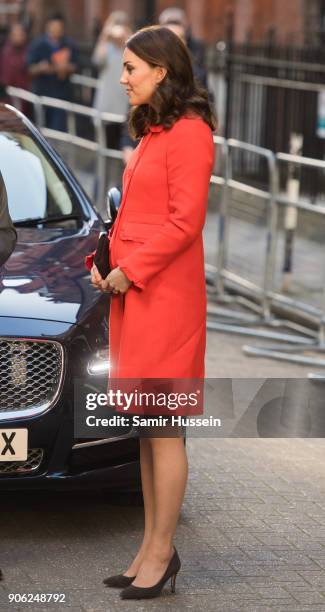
{"x": 173, "y": 583}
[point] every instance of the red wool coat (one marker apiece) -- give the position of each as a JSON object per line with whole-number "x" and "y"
{"x": 158, "y": 328}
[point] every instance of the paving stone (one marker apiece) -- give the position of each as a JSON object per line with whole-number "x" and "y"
{"x": 281, "y": 577}
{"x": 274, "y": 592}
{"x": 309, "y": 597}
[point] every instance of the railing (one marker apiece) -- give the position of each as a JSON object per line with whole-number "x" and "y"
{"x": 263, "y": 297}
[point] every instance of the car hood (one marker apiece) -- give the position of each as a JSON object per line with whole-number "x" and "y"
{"x": 45, "y": 277}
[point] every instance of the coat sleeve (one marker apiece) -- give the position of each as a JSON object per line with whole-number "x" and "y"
{"x": 190, "y": 156}
{"x": 8, "y": 235}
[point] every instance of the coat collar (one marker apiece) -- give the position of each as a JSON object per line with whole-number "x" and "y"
{"x": 156, "y": 128}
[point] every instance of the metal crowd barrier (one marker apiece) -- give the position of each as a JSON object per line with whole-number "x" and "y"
{"x": 241, "y": 322}
{"x": 299, "y": 353}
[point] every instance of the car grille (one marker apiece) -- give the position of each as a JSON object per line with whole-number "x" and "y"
{"x": 34, "y": 460}
{"x": 30, "y": 376}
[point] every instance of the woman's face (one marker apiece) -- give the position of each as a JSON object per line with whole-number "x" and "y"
{"x": 139, "y": 78}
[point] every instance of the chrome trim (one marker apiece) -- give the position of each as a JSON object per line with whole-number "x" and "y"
{"x": 30, "y": 412}
{"x": 24, "y": 414}
{"x": 131, "y": 434}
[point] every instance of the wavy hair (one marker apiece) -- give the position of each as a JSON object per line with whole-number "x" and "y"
{"x": 178, "y": 94}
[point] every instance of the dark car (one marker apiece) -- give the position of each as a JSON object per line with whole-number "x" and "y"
{"x": 53, "y": 326}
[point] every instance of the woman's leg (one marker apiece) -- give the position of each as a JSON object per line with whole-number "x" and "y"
{"x": 146, "y": 465}
{"x": 170, "y": 470}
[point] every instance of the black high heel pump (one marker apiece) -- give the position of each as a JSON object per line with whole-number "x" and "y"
{"x": 119, "y": 581}
{"x": 135, "y": 592}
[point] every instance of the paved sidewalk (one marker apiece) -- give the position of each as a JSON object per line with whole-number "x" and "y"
{"x": 251, "y": 535}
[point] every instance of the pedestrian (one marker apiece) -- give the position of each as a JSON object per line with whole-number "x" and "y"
{"x": 52, "y": 60}
{"x": 157, "y": 325}
{"x": 174, "y": 16}
{"x": 13, "y": 63}
{"x": 8, "y": 235}
{"x": 107, "y": 57}
{"x": 13, "y": 58}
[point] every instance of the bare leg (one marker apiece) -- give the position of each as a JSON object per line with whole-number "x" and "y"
{"x": 170, "y": 469}
{"x": 148, "y": 498}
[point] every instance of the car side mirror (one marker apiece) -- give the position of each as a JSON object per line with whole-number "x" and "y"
{"x": 113, "y": 203}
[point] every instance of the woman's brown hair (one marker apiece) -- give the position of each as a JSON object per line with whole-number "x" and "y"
{"x": 178, "y": 94}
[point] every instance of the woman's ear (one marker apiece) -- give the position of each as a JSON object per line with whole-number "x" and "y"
{"x": 161, "y": 73}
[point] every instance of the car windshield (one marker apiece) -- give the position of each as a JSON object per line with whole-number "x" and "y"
{"x": 35, "y": 187}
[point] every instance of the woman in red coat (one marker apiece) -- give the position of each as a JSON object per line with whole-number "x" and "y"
{"x": 158, "y": 307}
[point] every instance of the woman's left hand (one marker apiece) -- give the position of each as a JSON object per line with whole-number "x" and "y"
{"x": 117, "y": 281}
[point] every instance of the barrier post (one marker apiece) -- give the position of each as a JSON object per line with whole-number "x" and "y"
{"x": 214, "y": 279}
{"x": 291, "y": 216}
{"x": 100, "y": 162}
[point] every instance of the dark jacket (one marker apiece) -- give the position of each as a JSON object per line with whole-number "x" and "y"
{"x": 8, "y": 235}
{"x": 50, "y": 84}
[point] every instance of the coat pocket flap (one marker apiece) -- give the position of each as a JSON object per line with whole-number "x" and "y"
{"x": 139, "y": 232}
{"x": 147, "y": 218}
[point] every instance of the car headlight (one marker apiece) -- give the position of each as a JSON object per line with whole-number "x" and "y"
{"x": 99, "y": 365}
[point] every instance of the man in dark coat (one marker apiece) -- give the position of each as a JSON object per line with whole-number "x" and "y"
{"x": 52, "y": 59}
{"x": 8, "y": 235}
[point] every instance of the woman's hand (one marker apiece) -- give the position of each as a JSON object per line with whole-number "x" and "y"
{"x": 96, "y": 278}
{"x": 116, "y": 281}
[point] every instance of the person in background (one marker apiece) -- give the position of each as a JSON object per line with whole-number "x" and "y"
{"x": 13, "y": 63}
{"x": 107, "y": 57}
{"x": 8, "y": 234}
{"x": 52, "y": 59}
{"x": 176, "y": 17}
{"x": 13, "y": 58}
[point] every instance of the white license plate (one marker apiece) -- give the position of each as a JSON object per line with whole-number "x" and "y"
{"x": 13, "y": 444}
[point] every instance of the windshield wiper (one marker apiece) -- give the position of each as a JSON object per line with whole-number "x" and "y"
{"x": 45, "y": 221}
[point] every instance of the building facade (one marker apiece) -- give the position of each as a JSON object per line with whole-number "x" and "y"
{"x": 286, "y": 22}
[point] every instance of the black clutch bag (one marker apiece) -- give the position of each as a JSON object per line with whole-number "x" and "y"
{"x": 101, "y": 255}
{"x": 101, "y": 258}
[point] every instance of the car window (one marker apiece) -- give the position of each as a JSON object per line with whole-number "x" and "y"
{"x": 34, "y": 185}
